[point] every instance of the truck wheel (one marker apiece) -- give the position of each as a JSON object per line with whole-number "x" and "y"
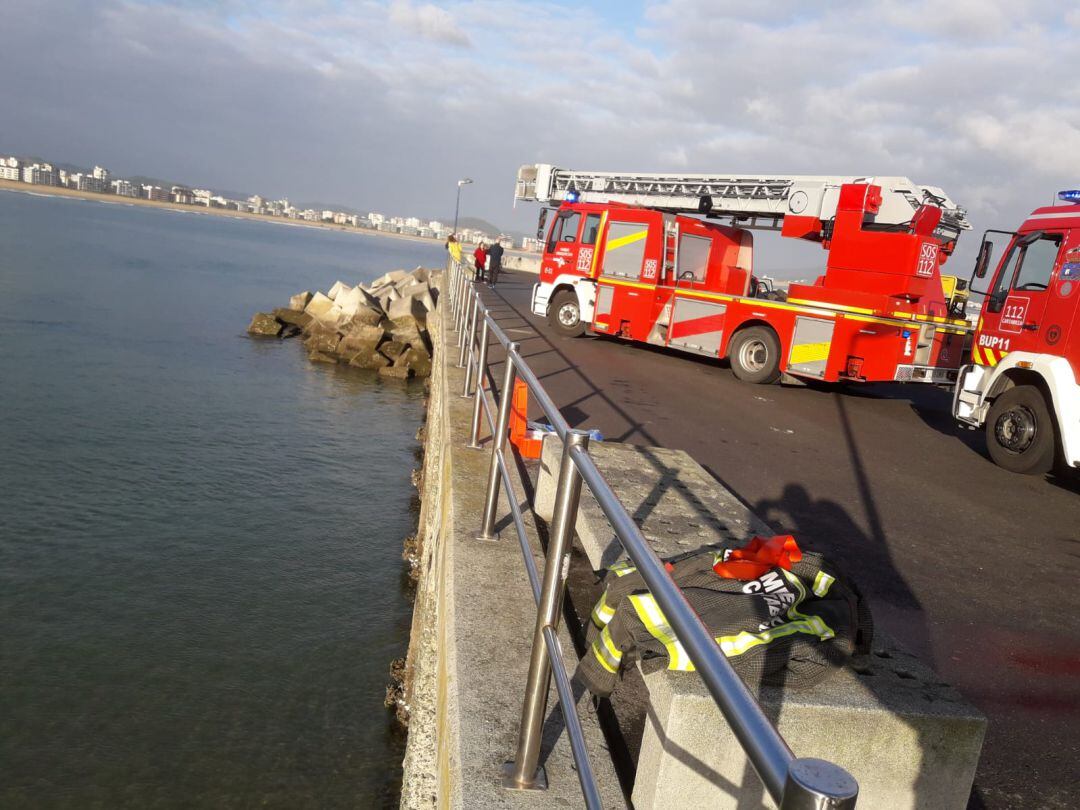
{"x": 564, "y": 314}
{"x": 1020, "y": 432}
{"x": 755, "y": 355}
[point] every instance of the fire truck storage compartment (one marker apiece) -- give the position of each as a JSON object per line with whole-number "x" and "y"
{"x": 697, "y": 326}
{"x": 810, "y": 345}
{"x": 604, "y": 296}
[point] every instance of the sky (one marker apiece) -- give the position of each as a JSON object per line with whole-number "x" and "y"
{"x": 384, "y": 105}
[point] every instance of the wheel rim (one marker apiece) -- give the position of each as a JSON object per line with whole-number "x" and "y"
{"x": 754, "y": 355}
{"x": 1015, "y": 429}
{"x": 568, "y": 314}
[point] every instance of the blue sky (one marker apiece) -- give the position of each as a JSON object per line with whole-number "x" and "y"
{"x": 385, "y": 104}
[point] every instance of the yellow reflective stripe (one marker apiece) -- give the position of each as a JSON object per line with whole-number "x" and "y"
{"x": 606, "y": 652}
{"x": 656, "y": 623}
{"x": 629, "y": 239}
{"x": 809, "y": 352}
{"x": 739, "y": 644}
{"x": 596, "y": 247}
{"x": 622, "y": 568}
{"x": 860, "y": 310}
{"x": 602, "y": 613}
{"x": 976, "y": 355}
{"x": 822, "y": 583}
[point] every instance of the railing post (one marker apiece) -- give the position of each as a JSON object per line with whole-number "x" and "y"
{"x": 451, "y": 280}
{"x": 467, "y": 293}
{"x": 814, "y": 784}
{"x": 502, "y": 425}
{"x": 460, "y": 303}
{"x": 469, "y": 330}
{"x": 479, "y": 313}
{"x": 481, "y": 374}
{"x": 522, "y": 773}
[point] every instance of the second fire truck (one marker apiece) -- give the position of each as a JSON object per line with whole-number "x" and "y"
{"x": 669, "y": 260}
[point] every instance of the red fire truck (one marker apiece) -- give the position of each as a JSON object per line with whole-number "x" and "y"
{"x": 669, "y": 260}
{"x": 1022, "y": 381}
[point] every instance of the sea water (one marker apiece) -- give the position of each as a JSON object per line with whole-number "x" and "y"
{"x": 200, "y": 532}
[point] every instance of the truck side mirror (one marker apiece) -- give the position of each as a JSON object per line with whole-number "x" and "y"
{"x": 986, "y": 249}
{"x": 541, "y": 222}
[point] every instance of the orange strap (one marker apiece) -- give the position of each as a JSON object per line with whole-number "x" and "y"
{"x": 759, "y": 556}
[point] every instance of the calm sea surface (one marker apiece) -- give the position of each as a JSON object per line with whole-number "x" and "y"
{"x": 200, "y": 533}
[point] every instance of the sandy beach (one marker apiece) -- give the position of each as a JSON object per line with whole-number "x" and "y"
{"x": 112, "y": 199}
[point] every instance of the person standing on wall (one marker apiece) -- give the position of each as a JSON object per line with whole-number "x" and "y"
{"x": 454, "y": 246}
{"x": 480, "y": 260}
{"x": 494, "y": 262}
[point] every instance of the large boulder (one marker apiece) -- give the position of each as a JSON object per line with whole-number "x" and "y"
{"x": 320, "y": 357}
{"x": 368, "y": 357}
{"x": 300, "y": 300}
{"x": 264, "y": 325}
{"x": 295, "y": 317}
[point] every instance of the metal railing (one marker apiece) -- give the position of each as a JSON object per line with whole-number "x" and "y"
{"x": 793, "y": 783}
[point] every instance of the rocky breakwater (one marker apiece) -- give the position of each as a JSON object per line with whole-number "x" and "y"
{"x": 381, "y": 326}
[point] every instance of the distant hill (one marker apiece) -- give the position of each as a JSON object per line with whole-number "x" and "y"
{"x": 325, "y": 206}
{"x": 476, "y": 223}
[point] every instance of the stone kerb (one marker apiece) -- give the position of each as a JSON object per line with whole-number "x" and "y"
{"x": 910, "y": 739}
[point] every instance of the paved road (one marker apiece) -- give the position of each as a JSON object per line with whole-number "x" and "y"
{"x": 973, "y": 568}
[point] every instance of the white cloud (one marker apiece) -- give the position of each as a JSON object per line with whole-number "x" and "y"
{"x": 428, "y": 21}
{"x": 378, "y": 103}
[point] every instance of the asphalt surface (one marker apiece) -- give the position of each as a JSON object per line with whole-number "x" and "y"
{"x": 967, "y": 565}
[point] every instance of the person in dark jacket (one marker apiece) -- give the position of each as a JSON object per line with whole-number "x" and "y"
{"x": 494, "y": 265}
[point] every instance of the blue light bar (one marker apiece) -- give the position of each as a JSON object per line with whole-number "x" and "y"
{"x": 1070, "y": 196}
{"x": 572, "y": 195}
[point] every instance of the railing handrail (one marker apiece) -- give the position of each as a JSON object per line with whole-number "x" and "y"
{"x": 791, "y": 782}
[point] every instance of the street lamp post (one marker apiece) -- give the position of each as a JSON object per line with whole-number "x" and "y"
{"x": 457, "y": 205}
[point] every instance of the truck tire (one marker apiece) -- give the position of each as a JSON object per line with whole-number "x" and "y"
{"x": 564, "y": 314}
{"x": 755, "y": 355}
{"x": 1020, "y": 431}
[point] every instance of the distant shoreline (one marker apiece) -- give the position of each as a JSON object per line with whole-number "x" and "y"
{"x": 112, "y": 199}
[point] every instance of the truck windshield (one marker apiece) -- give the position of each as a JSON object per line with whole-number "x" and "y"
{"x": 564, "y": 230}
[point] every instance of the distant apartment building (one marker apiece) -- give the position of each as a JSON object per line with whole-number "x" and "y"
{"x": 40, "y": 174}
{"x": 436, "y": 226}
{"x": 182, "y": 195}
{"x": 397, "y": 222}
{"x": 124, "y": 188}
{"x": 9, "y": 168}
{"x": 412, "y": 222}
{"x": 376, "y": 219}
{"x": 202, "y": 196}
{"x": 155, "y": 193}
{"x": 341, "y": 218}
{"x": 530, "y": 243}
{"x": 507, "y": 242}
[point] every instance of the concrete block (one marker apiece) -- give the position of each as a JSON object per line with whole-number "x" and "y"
{"x": 910, "y": 740}
{"x": 264, "y": 325}
{"x": 367, "y": 357}
{"x": 405, "y": 308}
{"x": 319, "y": 306}
{"x": 338, "y": 288}
{"x": 295, "y": 317}
{"x": 352, "y": 301}
{"x": 300, "y": 300}
{"x": 677, "y": 505}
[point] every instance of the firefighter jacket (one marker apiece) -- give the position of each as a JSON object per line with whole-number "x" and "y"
{"x": 784, "y": 628}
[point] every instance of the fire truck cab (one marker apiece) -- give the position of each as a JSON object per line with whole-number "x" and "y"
{"x": 1022, "y": 384}
{"x": 880, "y": 311}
